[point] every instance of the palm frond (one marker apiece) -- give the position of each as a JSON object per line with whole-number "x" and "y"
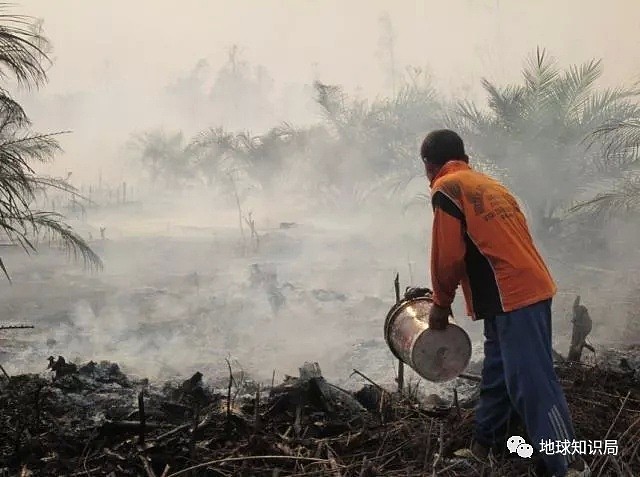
{"x": 45, "y": 182}
{"x": 540, "y": 73}
{"x": 23, "y": 55}
{"x": 218, "y": 137}
{"x": 39, "y": 147}
{"x": 418, "y": 200}
{"x": 505, "y": 103}
{"x": 399, "y": 182}
{"x": 470, "y": 113}
{"x": 285, "y": 132}
{"x": 331, "y": 99}
{"x": 622, "y": 199}
{"x": 22, "y": 48}
{"x": 620, "y": 138}
{"x": 17, "y": 185}
{"x": 73, "y": 244}
{"x": 12, "y": 116}
{"x": 573, "y": 89}
{"x": 4, "y": 270}
{"x": 247, "y": 141}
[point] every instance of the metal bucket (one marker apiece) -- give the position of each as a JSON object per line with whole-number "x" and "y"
{"x": 436, "y": 355}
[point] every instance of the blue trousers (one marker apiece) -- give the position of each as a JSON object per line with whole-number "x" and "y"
{"x": 518, "y": 380}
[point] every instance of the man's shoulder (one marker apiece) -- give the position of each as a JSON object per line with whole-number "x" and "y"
{"x": 455, "y": 183}
{"x": 452, "y": 187}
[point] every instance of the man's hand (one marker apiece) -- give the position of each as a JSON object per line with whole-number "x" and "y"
{"x": 438, "y": 317}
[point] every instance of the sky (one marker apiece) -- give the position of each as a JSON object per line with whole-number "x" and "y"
{"x": 147, "y": 42}
{"x": 119, "y": 56}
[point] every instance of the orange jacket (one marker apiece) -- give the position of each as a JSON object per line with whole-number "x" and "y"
{"x": 481, "y": 240}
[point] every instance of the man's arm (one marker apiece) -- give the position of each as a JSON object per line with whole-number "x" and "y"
{"x": 447, "y": 249}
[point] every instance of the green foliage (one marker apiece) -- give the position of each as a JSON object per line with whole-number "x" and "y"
{"x": 619, "y": 139}
{"x": 379, "y": 139}
{"x": 359, "y": 149}
{"x": 22, "y": 49}
{"x": 621, "y": 199}
{"x": 22, "y": 55}
{"x": 536, "y": 131}
{"x": 164, "y": 156}
{"x": 215, "y": 153}
{"x": 621, "y": 147}
{"x": 621, "y": 142}
{"x": 547, "y": 136}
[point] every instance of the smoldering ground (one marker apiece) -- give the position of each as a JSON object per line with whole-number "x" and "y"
{"x": 178, "y": 298}
{"x": 178, "y": 294}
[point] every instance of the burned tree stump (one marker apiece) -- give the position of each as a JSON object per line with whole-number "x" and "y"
{"x": 61, "y": 367}
{"x": 582, "y": 326}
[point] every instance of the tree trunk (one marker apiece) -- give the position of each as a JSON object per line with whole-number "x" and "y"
{"x": 582, "y": 325}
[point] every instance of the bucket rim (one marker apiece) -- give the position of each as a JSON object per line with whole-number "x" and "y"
{"x": 468, "y": 360}
{"x": 392, "y": 314}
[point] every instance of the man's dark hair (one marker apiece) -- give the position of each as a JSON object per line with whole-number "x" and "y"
{"x": 441, "y": 146}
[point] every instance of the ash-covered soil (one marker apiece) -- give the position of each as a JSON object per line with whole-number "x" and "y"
{"x": 185, "y": 300}
{"x": 92, "y": 419}
{"x": 176, "y": 299}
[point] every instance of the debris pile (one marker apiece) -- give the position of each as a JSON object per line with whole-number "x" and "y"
{"x": 94, "y": 420}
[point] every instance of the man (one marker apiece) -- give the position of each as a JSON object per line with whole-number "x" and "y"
{"x": 481, "y": 241}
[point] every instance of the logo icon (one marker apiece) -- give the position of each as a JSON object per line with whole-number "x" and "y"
{"x": 518, "y": 445}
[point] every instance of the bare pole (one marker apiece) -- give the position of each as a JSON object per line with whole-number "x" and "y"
{"x": 239, "y": 206}
{"x": 396, "y": 284}
{"x": 16, "y": 327}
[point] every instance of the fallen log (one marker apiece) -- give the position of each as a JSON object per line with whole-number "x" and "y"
{"x": 114, "y": 428}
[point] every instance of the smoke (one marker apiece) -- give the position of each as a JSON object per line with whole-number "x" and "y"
{"x": 146, "y": 311}
{"x": 177, "y": 294}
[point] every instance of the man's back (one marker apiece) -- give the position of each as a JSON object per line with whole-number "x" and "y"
{"x": 504, "y": 269}
{"x": 480, "y": 239}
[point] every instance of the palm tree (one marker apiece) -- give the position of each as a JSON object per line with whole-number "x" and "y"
{"x": 164, "y": 155}
{"x": 260, "y": 158}
{"x": 619, "y": 202}
{"x": 217, "y": 154}
{"x": 23, "y": 56}
{"x": 535, "y": 132}
{"x": 241, "y": 91}
{"x": 621, "y": 152}
{"x": 377, "y": 142}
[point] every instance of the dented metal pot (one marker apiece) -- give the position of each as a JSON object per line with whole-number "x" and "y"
{"x": 436, "y": 355}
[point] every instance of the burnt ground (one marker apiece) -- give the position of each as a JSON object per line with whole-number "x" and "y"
{"x": 167, "y": 307}
{"x": 96, "y": 421}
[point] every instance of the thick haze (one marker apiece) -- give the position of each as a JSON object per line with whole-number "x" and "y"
{"x": 176, "y": 277}
{"x": 113, "y": 60}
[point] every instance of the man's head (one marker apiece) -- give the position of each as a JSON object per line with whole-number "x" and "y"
{"x": 440, "y": 147}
